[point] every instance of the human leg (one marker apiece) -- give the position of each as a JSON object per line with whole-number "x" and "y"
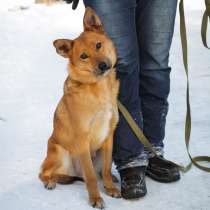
{"x": 118, "y": 18}
{"x": 155, "y": 26}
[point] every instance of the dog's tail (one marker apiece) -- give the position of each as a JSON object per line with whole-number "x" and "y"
{"x": 65, "y": 179}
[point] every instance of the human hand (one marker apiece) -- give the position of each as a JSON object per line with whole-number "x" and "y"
{"x": 74, "y": 3}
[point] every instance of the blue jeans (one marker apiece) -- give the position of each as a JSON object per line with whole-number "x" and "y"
{"x": 142, "y": 31}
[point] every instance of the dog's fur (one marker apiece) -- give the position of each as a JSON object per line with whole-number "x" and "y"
{"x": 87, "y": 114}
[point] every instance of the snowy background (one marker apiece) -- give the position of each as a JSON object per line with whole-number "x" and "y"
{"x": 31, "y": 83}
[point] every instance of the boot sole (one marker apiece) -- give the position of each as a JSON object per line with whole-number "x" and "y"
{"x": 163, "y": 180}
{"x": 134, "y": 197}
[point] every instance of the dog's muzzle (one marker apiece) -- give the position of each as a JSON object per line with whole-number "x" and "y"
{"x": 103, "y": 67}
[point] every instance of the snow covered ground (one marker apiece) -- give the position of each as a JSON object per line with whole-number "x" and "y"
{"x": 31, "y": 82}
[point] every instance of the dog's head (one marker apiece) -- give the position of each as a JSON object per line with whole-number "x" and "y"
{"x": 92, "y": 55}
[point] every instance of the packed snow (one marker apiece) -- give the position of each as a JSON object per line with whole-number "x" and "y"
{"x": 31, "y": 84}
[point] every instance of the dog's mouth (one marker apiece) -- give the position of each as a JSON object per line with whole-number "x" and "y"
{"x": 115, "y": 65}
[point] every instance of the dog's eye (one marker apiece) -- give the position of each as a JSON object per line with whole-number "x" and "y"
{"x": 98, "y": 45}
{"x": 83, "y": 56}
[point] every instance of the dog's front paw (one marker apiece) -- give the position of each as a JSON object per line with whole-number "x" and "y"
{"x": 113, "y": 192}
{"x": 50, "y": 185}
{"x": 97, "y": 202}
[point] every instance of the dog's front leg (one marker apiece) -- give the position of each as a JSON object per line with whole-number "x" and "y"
{"x": 90, "y": 179}
{"x": 106, "y": 152}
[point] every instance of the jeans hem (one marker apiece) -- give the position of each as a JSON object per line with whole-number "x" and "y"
{"x": 141, "y": 160}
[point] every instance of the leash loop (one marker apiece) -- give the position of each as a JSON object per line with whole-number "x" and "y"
{"x": 194, "y": 160}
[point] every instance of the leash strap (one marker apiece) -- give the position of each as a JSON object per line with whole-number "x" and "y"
{"x": 204, "y": 26}
{"x": 139, "y": 133}
{"x": 141, "y": 137}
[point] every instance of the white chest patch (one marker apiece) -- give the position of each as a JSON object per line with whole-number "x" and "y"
{"x": 100, "y": 128}
{"x": 105, "y": 125}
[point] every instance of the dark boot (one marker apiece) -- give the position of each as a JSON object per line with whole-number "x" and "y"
{"x": 133, "y": 184}
{"x": 162, "y": 170}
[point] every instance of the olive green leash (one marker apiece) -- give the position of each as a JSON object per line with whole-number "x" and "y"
{"x": 139, "y": 133}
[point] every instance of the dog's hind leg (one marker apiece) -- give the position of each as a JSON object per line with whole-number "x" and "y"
{"x": 57, "y": 167}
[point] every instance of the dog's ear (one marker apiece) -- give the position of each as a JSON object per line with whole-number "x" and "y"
{"x": 63, "y": 46}
{"x": 91, "y": 21}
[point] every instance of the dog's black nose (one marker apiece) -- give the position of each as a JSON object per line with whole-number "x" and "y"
{"x": 103, "y": 66}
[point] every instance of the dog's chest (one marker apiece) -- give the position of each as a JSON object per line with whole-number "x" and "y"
{"x": 100, "y": 127}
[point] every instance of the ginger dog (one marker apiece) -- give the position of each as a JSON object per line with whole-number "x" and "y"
{"x": 87, "y": 114}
